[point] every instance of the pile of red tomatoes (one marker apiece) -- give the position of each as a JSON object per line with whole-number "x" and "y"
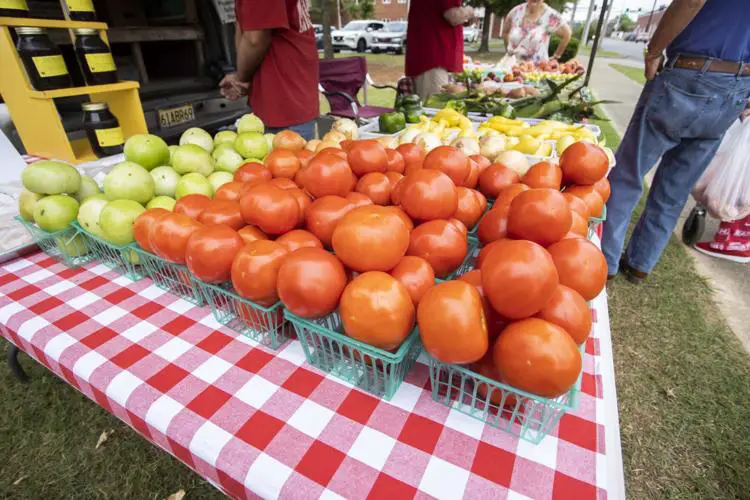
{"x": 365, "y": 231}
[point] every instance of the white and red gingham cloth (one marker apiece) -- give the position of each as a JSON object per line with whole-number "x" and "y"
{"x": 261, "y": 423}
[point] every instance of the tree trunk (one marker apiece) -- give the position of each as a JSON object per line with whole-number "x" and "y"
{"x": 327, "y": 42}
{"x": 486, "y": 26}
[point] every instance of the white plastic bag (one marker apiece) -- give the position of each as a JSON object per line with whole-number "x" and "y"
{"x": 724, "y": 188}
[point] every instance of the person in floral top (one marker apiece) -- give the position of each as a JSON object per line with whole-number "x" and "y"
{"x": 527, "y": 28}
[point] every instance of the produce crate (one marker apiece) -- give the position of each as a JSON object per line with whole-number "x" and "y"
{"x": 512, "y": 410}
{"x": 371, "y": 369}
{"x": 68, "y": 246}
{"x": 595, "y": 221}
{"x": 122, "y": 259}
{"x": 174, "y": 278}
{"x": 266, "y": 325}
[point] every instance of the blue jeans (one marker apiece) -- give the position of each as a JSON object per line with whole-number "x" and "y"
{"x": 681, "y": 117}
{"x": 306, "y": 130}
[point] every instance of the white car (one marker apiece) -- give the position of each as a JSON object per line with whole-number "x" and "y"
{"x": 471, "y": 35}
{"x": 393, "y": 37}
{"x": 357, "y": 35}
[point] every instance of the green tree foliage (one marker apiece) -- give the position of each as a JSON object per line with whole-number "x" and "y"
{"x": 626, "y": 24}
{"x": 359, "y": 9}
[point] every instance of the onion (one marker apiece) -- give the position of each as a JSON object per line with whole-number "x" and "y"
{"x": 346, "y": 127}
{"x": 491, "y": 145}
{"x": 514, "y": 160}
{"x": 334, "y": 136}
{"x": 312, "y": 144}
{"x": 408, "y": 135}
{"x": 388, "y": 141}
{"x": 467, "y": 145}
{"x": 427, "y": 141}
{"x": 288, "y": 139}
{"x": 326, "y": 144}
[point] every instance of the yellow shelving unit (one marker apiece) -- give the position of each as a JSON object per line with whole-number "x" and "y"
{"x": 34, "y": 113}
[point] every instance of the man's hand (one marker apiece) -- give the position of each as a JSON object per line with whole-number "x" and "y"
{"x": 653, "y": 65}
{"x": 232, "y": 88}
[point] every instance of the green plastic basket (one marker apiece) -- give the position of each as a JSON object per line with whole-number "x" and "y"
{"x": 371, "y": 369}
{"x": 121, "y": 258}
{"x": 509, "y": 409}
{"x": 266, "y": 325}
{"x": 595, "y": 221}
{"x": 174, "y": 278}
{"x": 67, "y": 246}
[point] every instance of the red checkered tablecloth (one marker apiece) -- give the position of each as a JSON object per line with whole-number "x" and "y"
{"x": 261, "y": 423}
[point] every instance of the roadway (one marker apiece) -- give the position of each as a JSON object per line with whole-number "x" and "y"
{"x": 629, "y": 50}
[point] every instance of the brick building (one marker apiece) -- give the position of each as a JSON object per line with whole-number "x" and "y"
{"x": 643, "y": 25}
{"x": 391, "y": 10}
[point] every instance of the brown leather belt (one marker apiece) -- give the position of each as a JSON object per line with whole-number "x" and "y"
{"x": 716, "y": 66}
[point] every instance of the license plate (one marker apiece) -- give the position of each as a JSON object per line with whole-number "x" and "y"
{"x": 176, "y": 116}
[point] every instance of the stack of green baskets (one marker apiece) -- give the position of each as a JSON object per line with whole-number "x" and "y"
{"x": 595, "y": 221}
{"x": 266, "y": 325}
{"x": 174, "y": 278}
{"x": 121, "y": 258}
{"x": 371, "y": 369}
{"x": 512, "y": 410}
{"x": 68, "y": 245}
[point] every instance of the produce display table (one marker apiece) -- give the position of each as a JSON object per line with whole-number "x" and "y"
{"x": 256, "y": 422}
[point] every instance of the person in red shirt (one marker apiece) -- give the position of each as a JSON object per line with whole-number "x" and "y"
{"x": 277, "y": 64}
{"x": 435, "y": 43}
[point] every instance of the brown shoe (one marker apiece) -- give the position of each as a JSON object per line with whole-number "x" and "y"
{"x": 631, "y": 274}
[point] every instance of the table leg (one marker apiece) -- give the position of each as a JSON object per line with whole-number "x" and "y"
{"x": 15, "y": 367}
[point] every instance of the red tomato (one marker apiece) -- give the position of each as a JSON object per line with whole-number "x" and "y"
{"x": 508, "y": 194}
{"x": 328, "y": 174}
{"x": 310, "y": 282}
{"x": 283, "y": 182}
{"x": 255, "y": 271}
{"x": 416, "y": 275}
{"x": 231, "y": 191}
{"x": 303, "y": 201}
{"x": 543, "y": 175}
{"x": 337, "y": 151}
{"x": 396, "y": 162}
{"x": 495, "y": 178}
{"x": 603, "y": 188}
{"x": 301, "y": 177}
{"x": 370, "y": 238}
{"x": 288, "y": 139}
{"x": 583, "y": 163}
{"x": 580, "y": 265}
{"x": 396, "y": 190}
{"x": 304, "y": 156}
{"x": 469, "y": 209}
{"x": 519, "y": 278}
{"x": 481, "y": 161}
{"x": 367, "y": 156}
{"x": 323, "y": 215}
{"x": 441, "y": 244}
{"x": 283, "y": 163}
{"x": 222, "y": 212}
{"x": 451, "y": 323}
{"x": 376, "y": 309}
{"x": 299, "y": 238}
{"x": 486, "y": 368}
{"x": 358, "y": 199}
{"x": 537, "y": 357}
{"x": 252, "y": 171}
{"x": 191, "y": 205}
{"x": 169, "y": 236}
{"x": 394, "y": 177}
{"x": 346, "y": 144}
{"x": 251, "y": 233}
{"x": 272, "y": 209}
{"x": 539, "y": 215}
{"x": 450, "y": 161}
{"x": 590, "y": 197}
{"x": 577, "y": 205}
{"x": 568, "y": 310}
{"x": 494, "y": 225}
{"x": 375, "y": 186}
{"x": 483, "y": 253}
{"x": 210, "y": 251}
{"x": 580, "y": 226}
{"x": 404, "y": 218}
{"x": 473, "y": 178}
{"x": 495, "y": 322}
{"x": 142, "y": 226}
{"x": 428, "y": 195}
{"x": 413, "y": 155}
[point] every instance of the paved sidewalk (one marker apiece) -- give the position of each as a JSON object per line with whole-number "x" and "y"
{"x": 730, "y": 280}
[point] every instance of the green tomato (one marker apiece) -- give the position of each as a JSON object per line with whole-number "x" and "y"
{"x": 56, "y": 212}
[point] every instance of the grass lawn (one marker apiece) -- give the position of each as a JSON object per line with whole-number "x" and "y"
{"x": 632, "y": 72}
{"x": 683, "y": 384}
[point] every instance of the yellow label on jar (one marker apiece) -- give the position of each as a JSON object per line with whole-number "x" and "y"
{"x": 109, "y": 137}
{"x": 80, "y": 5}
{"x": 48, "y": 66}
{"x": 100, "y": 63}
{"x": 14, "y": 4}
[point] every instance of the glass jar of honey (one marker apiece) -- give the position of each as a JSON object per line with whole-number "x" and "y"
{"x": 80, "y": 10}
{"x": 94, "y": 57}
{"x": 42, "y": 59}
{"x": 102, "y": 129}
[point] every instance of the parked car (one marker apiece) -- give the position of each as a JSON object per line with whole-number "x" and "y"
{"x": 642, "y": 37}
{"x": 357, "y": 35}
{"x": 471, "y": 35}
{"x": 391, "y": 38}
{"x": 318, "y": 29}
{"x": 630, "y": 37}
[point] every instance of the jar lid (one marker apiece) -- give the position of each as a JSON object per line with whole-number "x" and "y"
{"x": 85, "y": 31}
{"x": 94, "y": 106}
{"x": 30, "y": 30}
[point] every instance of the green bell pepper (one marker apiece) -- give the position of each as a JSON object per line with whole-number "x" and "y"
{"x": 392, "y": 122}
{"x": 413, "y": 114}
